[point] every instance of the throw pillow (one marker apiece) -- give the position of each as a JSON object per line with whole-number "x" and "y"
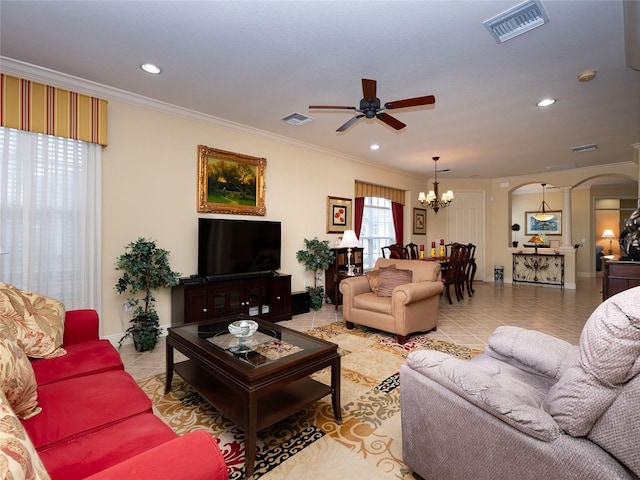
{"x": 391, "y": 278}
{"x": 17, "y": 380}
{"x": 19, "y": 459}
{"x": 35, "y": 321}
{"x": 374, "y": 278}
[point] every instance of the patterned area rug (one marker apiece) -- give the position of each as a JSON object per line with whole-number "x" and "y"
{"x": 310, "y": 444}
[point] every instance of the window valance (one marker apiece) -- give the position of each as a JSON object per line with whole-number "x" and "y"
{"x": 363, "y": 189}
{"x": 38, "y": 108}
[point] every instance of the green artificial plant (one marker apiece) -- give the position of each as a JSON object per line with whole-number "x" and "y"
{"x": 317, "y": 257}
{"x": 145, "y": 268}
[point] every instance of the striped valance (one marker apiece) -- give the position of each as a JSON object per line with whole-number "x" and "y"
{"x": 363, "y": 189}
{"x": 38, "y": 108}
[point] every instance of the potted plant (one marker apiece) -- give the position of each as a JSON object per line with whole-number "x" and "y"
{"x": 515, "y": 228}
{"x": 316, "y": 257}
{"x": 145, "y": 268}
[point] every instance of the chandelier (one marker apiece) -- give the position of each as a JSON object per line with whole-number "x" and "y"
{"x": 544, "y": 213}
{"x": 433, "y": 200}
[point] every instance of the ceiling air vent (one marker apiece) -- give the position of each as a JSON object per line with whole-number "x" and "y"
{"x": 584, "y": 148}
{"x": 517, "y": 20}
{"x": 297, "y": 119}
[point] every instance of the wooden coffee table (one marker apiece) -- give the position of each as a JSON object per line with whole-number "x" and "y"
{"x": 258, "y": 387}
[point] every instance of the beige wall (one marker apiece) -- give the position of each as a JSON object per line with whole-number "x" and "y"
{"x": 149, "y": 189}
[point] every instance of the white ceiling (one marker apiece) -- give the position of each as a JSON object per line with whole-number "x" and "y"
{"x": 253, "y": 63}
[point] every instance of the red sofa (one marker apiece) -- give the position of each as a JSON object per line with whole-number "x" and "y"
{"x": 96, "y": 423}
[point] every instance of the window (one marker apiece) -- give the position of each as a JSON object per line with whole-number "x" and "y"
{"x": 377, "y": 229}
{"x": 50, "y": 216}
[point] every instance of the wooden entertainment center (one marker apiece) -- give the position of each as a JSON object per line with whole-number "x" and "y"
{"x": 266, "y": 296}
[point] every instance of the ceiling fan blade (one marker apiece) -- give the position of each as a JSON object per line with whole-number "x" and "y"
{"x": 369, "y": 89}
{"x": 349, "y": 123}
{"x": 411, "y": 102}
{"x": 391, "y": 121}
{"x": 333, "y": 107}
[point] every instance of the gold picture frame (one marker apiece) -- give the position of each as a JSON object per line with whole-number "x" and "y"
{"x": 230, "y": 182}
{"x": 419, "y": 221}
{"x": 339, "y": 212}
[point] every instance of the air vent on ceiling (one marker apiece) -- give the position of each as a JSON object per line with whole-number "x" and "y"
{"x": 566, "y": 166}
{"x": 517, "y": 20}
{"x": 297, "y": 119}
{"x": 584, "y": 148}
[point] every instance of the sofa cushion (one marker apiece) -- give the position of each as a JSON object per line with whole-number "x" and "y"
{"x": 372, "y": 302}
{"x": 35, "y": 321}
{"x": 105, "y": 447}
{"x": 19, "y": 458}
{"x": 17, "y": 380}
{"x": 609, "y": 358}
{"x": 423, "y": 271}
{"x": 73, "y": 407}
{"x": 85, "y": 358}
{"x": 391, "y": 278}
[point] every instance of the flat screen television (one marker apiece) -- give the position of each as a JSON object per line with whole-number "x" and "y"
{"x": 237, "y": 247}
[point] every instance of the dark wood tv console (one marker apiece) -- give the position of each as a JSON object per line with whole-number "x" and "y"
{"x": 266, "y": 296}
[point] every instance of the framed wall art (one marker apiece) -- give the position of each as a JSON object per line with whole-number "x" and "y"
{"x": 550, "y": 227}
{"x": 419, "y": 221}
{"x": 230, "y": 182}
{"x": 339, "y": 212}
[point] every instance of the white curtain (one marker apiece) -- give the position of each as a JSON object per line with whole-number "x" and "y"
{"x": 50, "y": 216}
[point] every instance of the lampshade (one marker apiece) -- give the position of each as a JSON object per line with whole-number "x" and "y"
{"x": 349, "y": 240}
{"x": 536, "y": 239}
{"x": 608, "y": 233}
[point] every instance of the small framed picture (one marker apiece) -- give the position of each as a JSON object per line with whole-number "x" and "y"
{"x": 419, "y": 221}
{"x": 339, "y": 212}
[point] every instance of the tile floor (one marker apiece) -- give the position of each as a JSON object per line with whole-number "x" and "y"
{"x": 561, "y": 313}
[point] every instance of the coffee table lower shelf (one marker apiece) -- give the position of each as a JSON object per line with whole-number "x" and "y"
{"x": 273, "y": 406}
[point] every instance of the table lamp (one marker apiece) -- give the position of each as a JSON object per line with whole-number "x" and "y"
{"x": 536, "y": 240}
{"x": 608, "y": 233}
{"x": 349, "y": 241}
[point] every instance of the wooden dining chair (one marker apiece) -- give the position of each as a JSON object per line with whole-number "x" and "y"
{"x": 470, "y": 269}
{"x": 394, "y": 251}
{"x": 412, "y": 251}
{"x": 453, "y": 274}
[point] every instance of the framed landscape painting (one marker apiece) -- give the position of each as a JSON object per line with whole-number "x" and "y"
{"x": 338, "y": 214}
{"x": 550, "y": 227}
{"x": 230, "y": 182}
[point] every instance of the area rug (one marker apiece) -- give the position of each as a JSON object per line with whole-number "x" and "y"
{"x": 310, "y": 444}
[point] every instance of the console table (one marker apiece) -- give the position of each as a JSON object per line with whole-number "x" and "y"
{"x": 619, "y": 275}
{"x": 538, "y": 268}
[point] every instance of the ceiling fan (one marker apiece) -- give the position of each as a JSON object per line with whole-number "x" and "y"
{"x": 370, "y": 106}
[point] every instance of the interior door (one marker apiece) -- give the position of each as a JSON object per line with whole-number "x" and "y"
{"x": 465, "y": 217}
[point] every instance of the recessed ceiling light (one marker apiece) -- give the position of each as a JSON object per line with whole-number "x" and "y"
{"x": 150, "y": 68}
{"x": 546, "y": 102}
{"x": 374, "y": 147}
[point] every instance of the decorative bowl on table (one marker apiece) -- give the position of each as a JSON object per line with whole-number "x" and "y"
{"x": 242, "y": 329}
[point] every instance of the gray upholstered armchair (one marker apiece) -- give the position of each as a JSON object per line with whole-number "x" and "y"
{"x": 382, "y": 300}
{"x": 532, "y": 406}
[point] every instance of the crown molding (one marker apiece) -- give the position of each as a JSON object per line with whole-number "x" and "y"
{"x": 36, "y": 73}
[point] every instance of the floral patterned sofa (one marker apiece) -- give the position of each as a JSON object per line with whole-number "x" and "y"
{"x": 68, "y": 410}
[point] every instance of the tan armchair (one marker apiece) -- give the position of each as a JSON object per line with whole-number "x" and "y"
{"x": 412, "y": 307}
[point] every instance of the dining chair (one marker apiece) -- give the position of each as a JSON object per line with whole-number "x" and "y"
{"x": 412, "y": 251}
